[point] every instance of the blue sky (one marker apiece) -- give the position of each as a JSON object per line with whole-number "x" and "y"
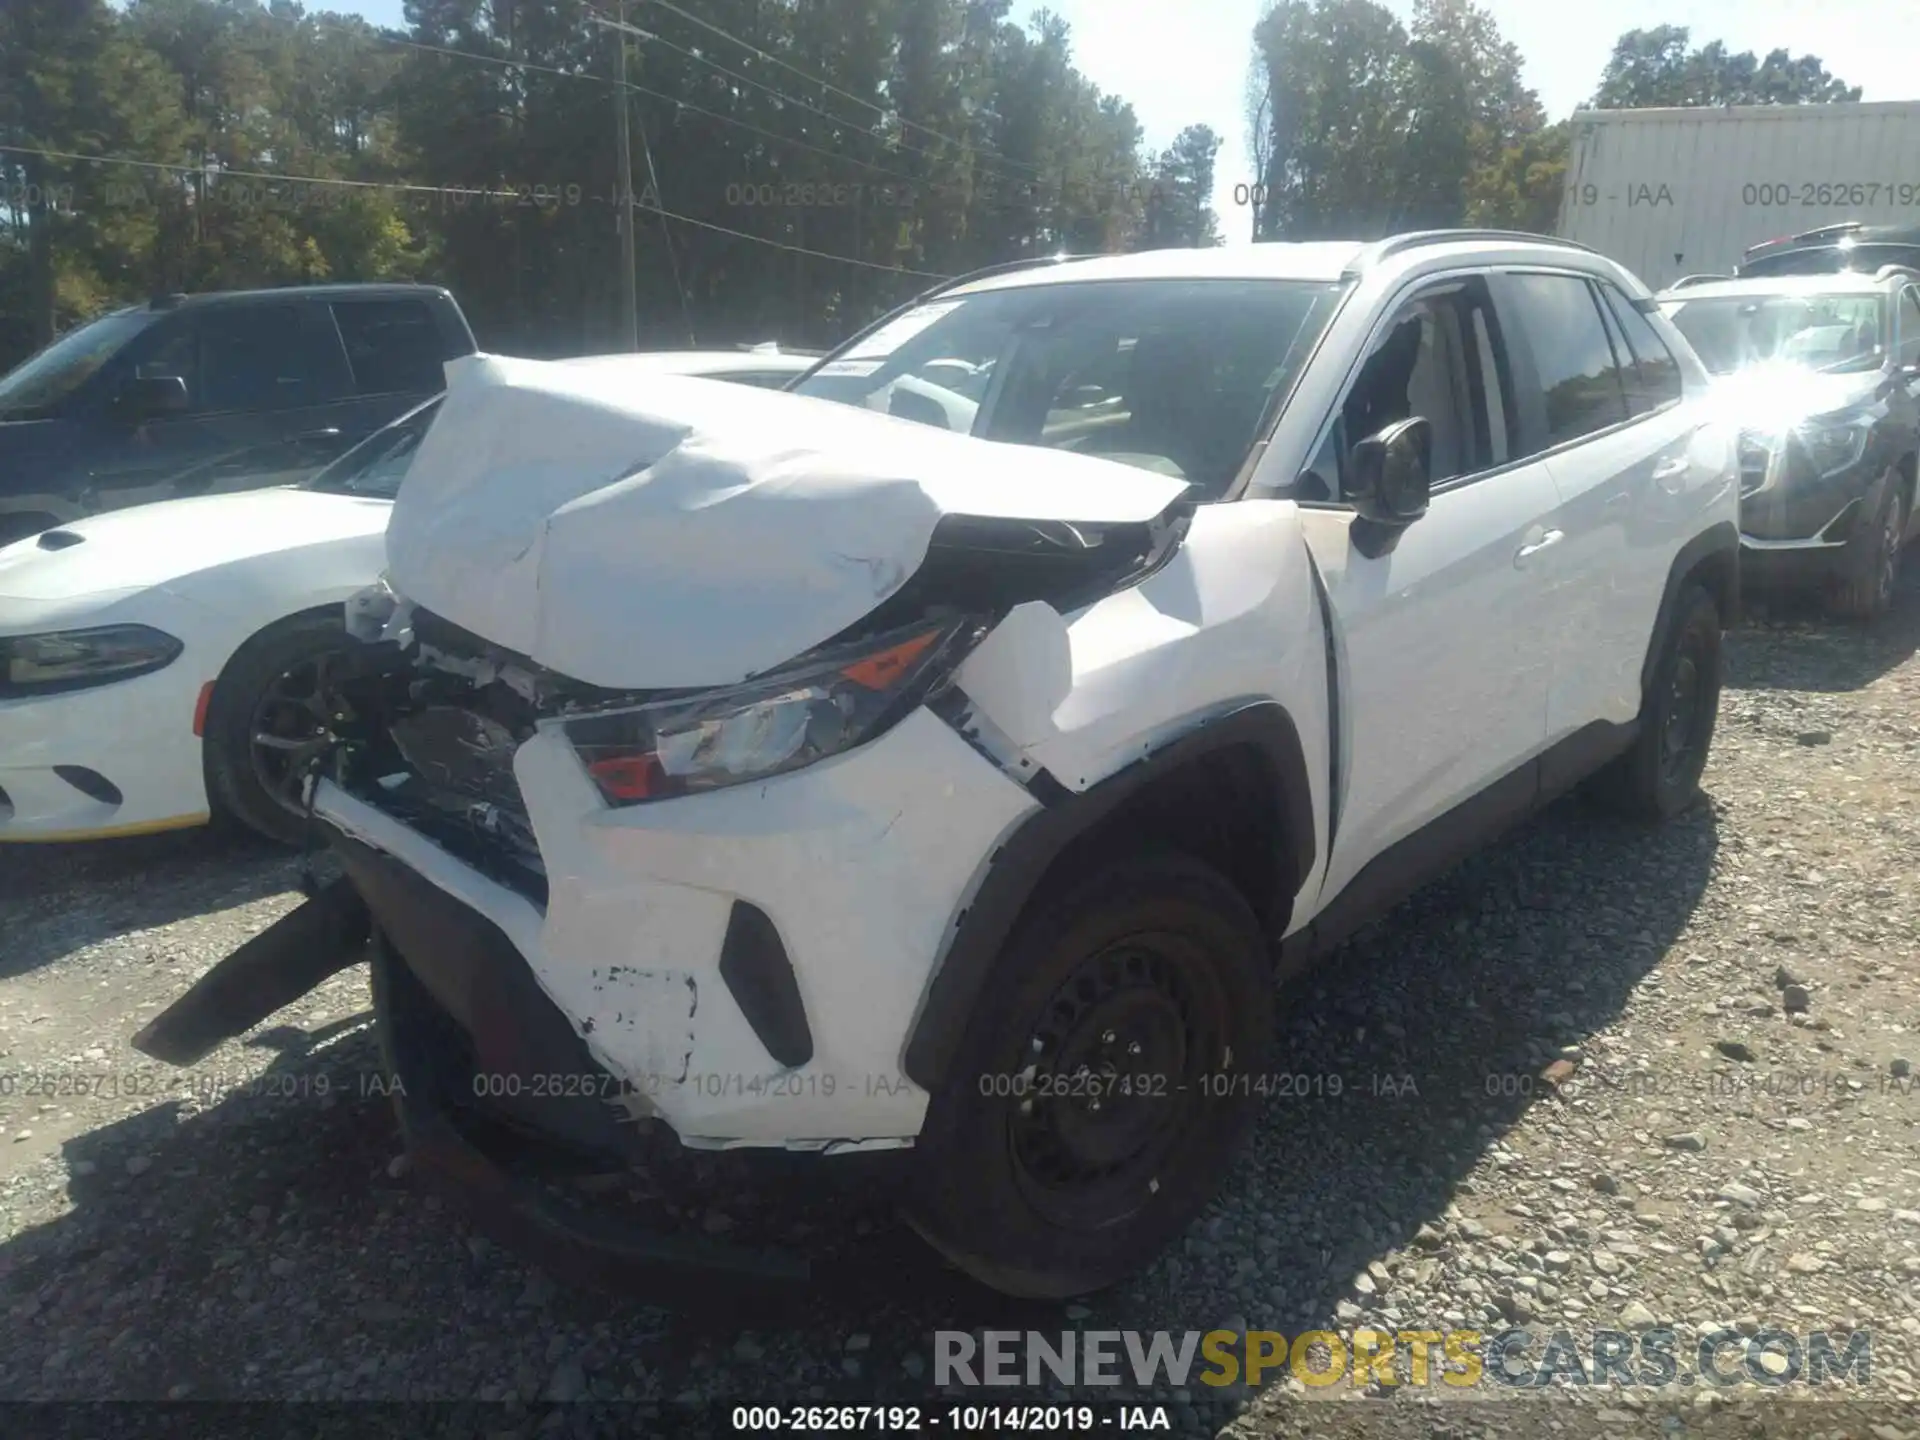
{"x": 1182, "y": 61}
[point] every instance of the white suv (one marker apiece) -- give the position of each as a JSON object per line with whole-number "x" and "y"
{"x": 803, "y": 776}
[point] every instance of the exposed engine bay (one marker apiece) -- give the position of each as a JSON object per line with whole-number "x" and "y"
{"x": 430, "y": 716}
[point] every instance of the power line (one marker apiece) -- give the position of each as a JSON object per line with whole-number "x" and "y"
{"x": 416, "y": 188}
{"x": 811, "y": 79}
{"x": 792, "y": 249}
{"x": 661, "y": 95}
{"x": 687, "y": 105}
{"x": 219, "y": 170}
{"x": 510, "y": 63}
{"x": 653, "y": 181}
{"x": 900, "y": 175}
{"x": 781, "y": 95}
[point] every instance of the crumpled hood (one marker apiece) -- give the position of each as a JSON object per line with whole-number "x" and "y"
{"x": 147, "y": 545}
{"x": 687, "y": 532}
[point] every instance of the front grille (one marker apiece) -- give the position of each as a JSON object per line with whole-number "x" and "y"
{"x": 491, "y": 834}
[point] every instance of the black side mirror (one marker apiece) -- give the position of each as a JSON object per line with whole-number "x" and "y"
{"x": 1390, "y": 474}
{"x": 147, "y": 396}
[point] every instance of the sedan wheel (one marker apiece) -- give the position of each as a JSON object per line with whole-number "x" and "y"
{"x": 270, "y": 721}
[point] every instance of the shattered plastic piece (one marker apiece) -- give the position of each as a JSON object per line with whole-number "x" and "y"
{"x": 376, "y": 614}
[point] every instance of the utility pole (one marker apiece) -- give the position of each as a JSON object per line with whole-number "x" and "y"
{"x": 623, "y": 197}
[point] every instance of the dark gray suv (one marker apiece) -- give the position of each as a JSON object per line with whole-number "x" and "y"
{"x": 192, "y": 394}
{"x": 1822, "y": 374}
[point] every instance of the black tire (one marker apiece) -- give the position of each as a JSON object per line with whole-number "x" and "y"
{"x": 1866, "y": 591}
{"x": 1660, "y": 775}
{"x": 271, "y": 686}
{"x": 1040, "y": 1195}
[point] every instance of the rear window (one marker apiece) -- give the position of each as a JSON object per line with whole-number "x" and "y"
{"x": 1572, "y": 355}
{"x": 393, "y": 346}
{"x": 1834, "y": 259}
{"x": 252, "y": 357}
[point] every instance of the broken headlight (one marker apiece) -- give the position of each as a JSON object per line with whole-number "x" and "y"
{"x": 828, "y": 702}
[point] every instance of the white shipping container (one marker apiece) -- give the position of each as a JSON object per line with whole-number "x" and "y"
{"x": 1680, "y": 192}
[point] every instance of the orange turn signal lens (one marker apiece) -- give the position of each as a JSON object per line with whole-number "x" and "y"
{"x": 626, "y": 777}
{"x": 877, "y": 672}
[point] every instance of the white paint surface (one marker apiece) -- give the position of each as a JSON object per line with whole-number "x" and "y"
{"x": 685, "y": 533}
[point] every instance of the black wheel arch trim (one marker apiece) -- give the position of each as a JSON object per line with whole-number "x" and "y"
{"x": 1021, "y": 861}
{"x": 1718, "y": 541}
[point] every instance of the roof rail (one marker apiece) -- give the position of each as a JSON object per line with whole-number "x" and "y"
{"x": 1686, "y": 280}
{"x": 1819, "y": 232}
{"x": 1414, "y": 239}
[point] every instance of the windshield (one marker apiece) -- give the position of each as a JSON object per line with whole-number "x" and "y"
{"x": 1175, "y": 376}
{"x": 1815, "y": 332}
{"x": 378, "y": 463}
{"x": 43, "y": 380}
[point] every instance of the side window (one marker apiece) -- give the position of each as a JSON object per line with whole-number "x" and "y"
{"x": 1910, "y": 325}
{"x": 1653, "y": 376}
{"x": 172, "y": 348}
{"x": 1438, "y": 358}
{"x": 1493, "y": 387}
{"x": 252, "y": 358}
{"x": 392, "y": 345}
{"x": 1572, "y": 356}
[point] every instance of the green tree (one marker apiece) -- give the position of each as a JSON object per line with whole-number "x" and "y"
{"x": 1520, "y": 188}
{"x": 1365, "y": 126}
{"x": 1179, "y": 193}
{"x": 1337, "y": 118}
{"x": 72, "y": 83}
{"x": 1656, "y": 67}
{"x": 794, "y": 165}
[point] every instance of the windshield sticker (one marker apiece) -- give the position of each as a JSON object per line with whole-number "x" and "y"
{"x": 889, "y": 338}
{"x": 849, "y": 367}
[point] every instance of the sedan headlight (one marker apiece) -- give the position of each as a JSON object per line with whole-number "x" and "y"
{"x": 827, "y": 703}
{"x": 76, "y": 659}
{"x": 1834, "y": 445}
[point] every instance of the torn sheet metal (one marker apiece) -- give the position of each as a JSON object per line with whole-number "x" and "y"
{"x": 1231, "y": 614}
{"x": 688, "y": 533}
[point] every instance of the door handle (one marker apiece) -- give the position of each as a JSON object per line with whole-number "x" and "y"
{"x": 1534, "y": 547}
{"x": 306, "y": 437}
{"x": 1668, "y": 471}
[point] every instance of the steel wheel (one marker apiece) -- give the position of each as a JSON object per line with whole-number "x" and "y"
{"x": 1117, "y": 1063}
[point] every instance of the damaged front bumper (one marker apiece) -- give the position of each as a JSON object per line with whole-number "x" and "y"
{"x": 484, "y": 1072}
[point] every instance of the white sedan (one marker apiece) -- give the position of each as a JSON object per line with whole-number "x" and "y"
{"x": 161, "y": 665}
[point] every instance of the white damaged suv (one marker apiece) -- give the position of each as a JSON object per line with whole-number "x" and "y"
{"x": 955, "y": 767}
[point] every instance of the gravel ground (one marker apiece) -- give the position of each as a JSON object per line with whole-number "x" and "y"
{"x": 1597, "y": 1077}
